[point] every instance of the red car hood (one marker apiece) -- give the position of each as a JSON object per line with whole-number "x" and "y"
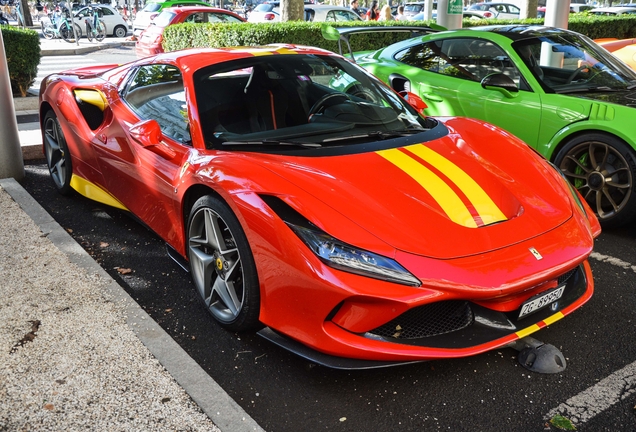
{"x": 442, "y": 198}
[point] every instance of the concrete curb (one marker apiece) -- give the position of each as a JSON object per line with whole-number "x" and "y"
{"x": 206, "y": 393}
{"x": 83, "y": 48}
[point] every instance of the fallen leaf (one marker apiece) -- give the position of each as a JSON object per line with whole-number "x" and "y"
{"x": 562, "y": 423}
{"x": 69, "y": 230}
{"x": 123, "y": 271}
{"x": 343, "y": 419}
{"x": 49, "y": 407}
{"x": 103, "y": 245}
{"x": 168, "y": 310}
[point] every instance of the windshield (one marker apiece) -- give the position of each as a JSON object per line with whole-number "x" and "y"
{"x": 300, "y": 100}
{"x": 569, "y": 62}
{"x": 152, "y": 7}
{"x": 164, "y": 19}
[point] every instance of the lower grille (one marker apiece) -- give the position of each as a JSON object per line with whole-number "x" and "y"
{"x": 428, "y": 320}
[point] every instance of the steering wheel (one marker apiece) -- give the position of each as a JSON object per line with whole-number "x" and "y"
{"x": 320, "y": 103}
{"x": 575, "y": 73}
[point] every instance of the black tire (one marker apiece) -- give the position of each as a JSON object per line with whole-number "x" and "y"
{"x": 603, "y": 169}
{"x": 223, "y": 271}
{"x": 120, "y": 31}
{"x": 101, "y": 31}
{"x": 58, "y": 158}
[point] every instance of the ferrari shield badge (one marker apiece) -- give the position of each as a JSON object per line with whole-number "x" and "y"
{"x": 535, "y": 253}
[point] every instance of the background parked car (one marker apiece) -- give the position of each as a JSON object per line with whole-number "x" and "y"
{"x": 149, "y": 42}
{"x": 115, "y": 24}
{"x": 413, "y": 8}
{"x": 613, "y": 11}
{"x": 624, "y": 49}
{"x": 270, "y": 12}
{"x": 501, "y": 10}
{"x": 153, "y": 8}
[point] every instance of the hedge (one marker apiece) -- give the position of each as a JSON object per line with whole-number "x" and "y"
{"x": 22, "y": 48}
{"x": 189, "y": 35}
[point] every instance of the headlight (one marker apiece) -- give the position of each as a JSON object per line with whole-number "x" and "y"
{"x": 348, "y": 258}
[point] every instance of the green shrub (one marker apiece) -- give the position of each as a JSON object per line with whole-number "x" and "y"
{"x": 22, "y": 48}
{"x": 182, "y": 36}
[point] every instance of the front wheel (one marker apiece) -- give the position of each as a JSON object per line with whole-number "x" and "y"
{"x": 602, "y": 168}
{"x": 58, "y": 158}
{"x": 48, "y": 32}
{"x": 222, "y": 265}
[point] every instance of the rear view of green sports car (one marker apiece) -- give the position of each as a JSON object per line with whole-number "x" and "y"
{"x": 557, "y": 90}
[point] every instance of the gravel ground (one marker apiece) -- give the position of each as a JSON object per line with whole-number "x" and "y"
{"x": 68, "y": 360}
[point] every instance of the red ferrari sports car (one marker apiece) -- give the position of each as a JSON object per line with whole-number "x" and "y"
{"x": 344, "y": 223}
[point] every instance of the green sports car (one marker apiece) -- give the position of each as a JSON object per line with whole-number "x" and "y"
{"x": 555, "y": 89}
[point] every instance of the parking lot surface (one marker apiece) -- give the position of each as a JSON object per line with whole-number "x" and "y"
{"x": 285, "y": 393}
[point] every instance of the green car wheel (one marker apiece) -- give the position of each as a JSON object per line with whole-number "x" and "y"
{"x": 603, "y": 169}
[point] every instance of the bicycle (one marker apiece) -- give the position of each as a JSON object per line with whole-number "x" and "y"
{"x": 59, "y": 27}
{"x": 95, "y": 28}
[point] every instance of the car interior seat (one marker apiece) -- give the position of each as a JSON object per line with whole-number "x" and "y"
{"x": 266, "y": 100}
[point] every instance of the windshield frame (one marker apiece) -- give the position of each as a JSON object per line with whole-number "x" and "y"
{"x": 569, "y": 48}
{"x": 376, "y": 113}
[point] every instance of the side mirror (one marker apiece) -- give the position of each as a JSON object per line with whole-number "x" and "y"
{"x": 147, "y": 133}
{"x": 502, "y": 83}
{"x": 414, "y": 100}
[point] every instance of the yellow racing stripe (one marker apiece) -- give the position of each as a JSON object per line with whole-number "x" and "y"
{"x": 448, "y": 200}
{"x": 527, "y": 331}
{"x": 554, "y": 318}
{"x": 484, "y": 205}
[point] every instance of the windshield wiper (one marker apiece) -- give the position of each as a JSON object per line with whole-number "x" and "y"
{"x": 591, "y": 90}
{"x": 271, "y": 142}
{"x": 377, "y": 134}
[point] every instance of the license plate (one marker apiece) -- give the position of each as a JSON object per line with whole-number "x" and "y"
{"x": 540, "y": 302}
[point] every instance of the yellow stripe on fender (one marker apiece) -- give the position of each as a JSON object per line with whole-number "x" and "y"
{"x": 439, "y": 190}
{"x": 484, "y": 205}
{"x": 94, "y": 192}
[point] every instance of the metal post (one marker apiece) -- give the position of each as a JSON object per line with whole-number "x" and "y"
{"x": 557, "y": 13}
{"x": 11, "y": 163}
{"x": 450, "y": 13}
{"x": 428, "y": 10}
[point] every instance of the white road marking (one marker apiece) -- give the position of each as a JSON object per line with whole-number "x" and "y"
{"x": 596, "y": 399}
{"x": 607, "y": 392}
{"x": 614, "y": 261}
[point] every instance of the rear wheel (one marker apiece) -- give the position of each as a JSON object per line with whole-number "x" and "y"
{"x": 101, "y": 32}
{"x": 602, "y": 168}
{"x": 222, "y": 265}
{"x": 66, "y": 31}
{"x": 120, "y": 31}
{"x": 58, "y": 158}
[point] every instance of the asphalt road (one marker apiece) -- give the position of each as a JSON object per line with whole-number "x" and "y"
{"x": 282, "y": 392}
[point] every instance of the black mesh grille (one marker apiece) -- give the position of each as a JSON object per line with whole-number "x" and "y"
{"x": 428, "y": 320}
{"x": 564, "y": 277}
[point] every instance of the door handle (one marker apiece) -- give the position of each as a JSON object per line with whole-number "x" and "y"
{"x": 432, "y": 97}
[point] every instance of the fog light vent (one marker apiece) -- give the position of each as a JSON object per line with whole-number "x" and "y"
{"x": 428, "y": 320}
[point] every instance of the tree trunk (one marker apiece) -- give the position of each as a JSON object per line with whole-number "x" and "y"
{"x": 528, "y": 9}
{"x": 26, "y": 13}
{"x": 292, "y": 10}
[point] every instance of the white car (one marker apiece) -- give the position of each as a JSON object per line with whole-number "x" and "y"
{"x": 612, "y": 11}
{"x": 270, "y": 12}
{"x": 500, "y": 10}
{"x": 115, "y": 24}
{"x": 329, "y": 13}
{"x": 154, "y": 8}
